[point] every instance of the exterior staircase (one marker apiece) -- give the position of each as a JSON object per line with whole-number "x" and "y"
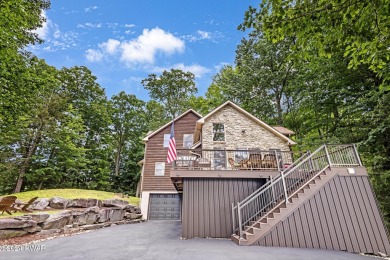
{"x": 257, "y": 214}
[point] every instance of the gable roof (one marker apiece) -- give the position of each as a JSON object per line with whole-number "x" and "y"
{"x": 150, "y": 134}
{"x": 284, "y": 130}
{"x": 202, "y": 120}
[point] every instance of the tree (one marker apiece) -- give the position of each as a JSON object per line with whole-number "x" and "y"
{"x": 89, "y": 98}
{"x": 261, "y": 79}
{"x": 129, "y": 123}
{"x": 352, "y": 39}
{"x": 360, "y": 29}
{"x": 18, "y": 20}
{"x": 156, "y": 115}
{"x": 172, "y": 88}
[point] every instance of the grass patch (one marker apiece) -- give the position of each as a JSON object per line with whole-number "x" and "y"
{"x": 17, "y": 214}
{"x": 72, "y": 194}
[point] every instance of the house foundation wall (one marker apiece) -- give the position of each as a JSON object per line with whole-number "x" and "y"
{"x": 207, "y": 205}
{"x": 342, "y": 215}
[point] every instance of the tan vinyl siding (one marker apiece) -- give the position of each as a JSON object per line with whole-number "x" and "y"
{"x": 207, "y": 205}
{"x": 342, "y": 215}
{"x": 155, "y": 152}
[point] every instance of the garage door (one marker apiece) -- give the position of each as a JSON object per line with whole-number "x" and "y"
{"x": 164, "y": 207}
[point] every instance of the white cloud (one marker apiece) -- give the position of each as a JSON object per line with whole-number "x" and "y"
{"x": 110, "y": 46}
{"x": 93, "y": 55}
{"x": 203, "y": 35}
{"x": 129, "y": 32}
{"x": 140, "y": 50}
{"x": 89, "y": 25}
{"x": 129, "y": 25}
{"x": 198, "y": 70}
{"x": 90, "y": 8}
{"x": 144, "y": 48}
{"x": 43, "y": 31}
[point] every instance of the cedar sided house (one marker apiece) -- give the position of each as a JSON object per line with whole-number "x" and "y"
{"x": 236, "y": 177}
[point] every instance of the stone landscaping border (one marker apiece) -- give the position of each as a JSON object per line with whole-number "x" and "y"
{"x": 78, "y": 215}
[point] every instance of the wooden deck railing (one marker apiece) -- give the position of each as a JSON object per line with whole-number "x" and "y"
{"x": 290, "y": 180}
{"x": 251, "y": 159}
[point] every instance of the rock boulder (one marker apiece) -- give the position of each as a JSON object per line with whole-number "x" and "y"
{"x": 40, "y": 204}
{"x": 11, "y": 233}
{"x": 115, "y": 203}
{"x": 86, "y": 203}
{"x": 10, "y": 223}
{"x": 59, "y": 203}
{"x": 58, "y": 221}
{"x": 40, "y": 217}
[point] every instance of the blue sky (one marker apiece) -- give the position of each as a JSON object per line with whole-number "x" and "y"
{"x": 123, "y": 41}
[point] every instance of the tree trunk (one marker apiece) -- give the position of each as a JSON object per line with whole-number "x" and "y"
{"x": 27, "y": 158}
{"x": 118, "y": 157}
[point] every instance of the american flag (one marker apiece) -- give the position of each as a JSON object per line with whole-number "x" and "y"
{"x": 172, "y": 155}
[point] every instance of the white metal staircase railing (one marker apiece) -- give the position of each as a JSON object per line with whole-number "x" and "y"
{"x": 290, "y": 180}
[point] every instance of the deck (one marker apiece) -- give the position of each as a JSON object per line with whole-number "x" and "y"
{"x": 243, "y": 164}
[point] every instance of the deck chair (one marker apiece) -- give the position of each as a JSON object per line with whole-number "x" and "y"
{"x": 255, "y": 160}
{"x": 6, "y": 204}
{"x": 270, "y": 161}
{"x": 23, "y": 207}
{"x": 233, "y": 163}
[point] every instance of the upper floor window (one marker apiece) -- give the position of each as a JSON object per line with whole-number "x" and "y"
{"x": 218, "y": 132}
{"x": 188, "y": 140}
{"x": 159, "y": 169}
{"x": 166, "y": 140}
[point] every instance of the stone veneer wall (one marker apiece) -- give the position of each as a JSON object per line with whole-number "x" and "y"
{"x": 255, "y": 136}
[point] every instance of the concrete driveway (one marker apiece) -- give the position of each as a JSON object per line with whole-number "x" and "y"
{"x": 159, "y": 240}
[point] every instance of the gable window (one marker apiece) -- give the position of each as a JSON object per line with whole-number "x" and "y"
{"x": 188, "y": 140}
{"x": 218, "y": 132}
{"x": 166, "y": 140}
{"x": 159, "y": 169}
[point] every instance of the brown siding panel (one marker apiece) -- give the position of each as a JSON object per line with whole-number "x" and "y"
{"x": 155, "y": 152}
{"x": 207, "y": 205}
{"x": 342, "y": 215}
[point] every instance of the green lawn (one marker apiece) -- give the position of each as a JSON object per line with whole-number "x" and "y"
{"x": 16, "y": 214}
{"x": 72, "y": 194}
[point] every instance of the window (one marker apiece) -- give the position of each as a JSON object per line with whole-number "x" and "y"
{"x": 219, "y": 158}
{"x": 188, "y": 140}
{"x": 159, "y": 169}
{"x": 218, "y": 132}
{"x": 166, "y": 139}
{"x": 238, "y": 155}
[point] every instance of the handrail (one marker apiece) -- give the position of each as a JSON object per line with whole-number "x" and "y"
{"x": 275, "y": 178}
{"x": 290, "y": 180}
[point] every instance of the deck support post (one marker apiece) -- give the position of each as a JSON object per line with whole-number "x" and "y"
{"x": 284, "y": 188}
{"x": 239, "y": 220}
{"x": 233, "y": 219}
{"x": 357, "y": 155}
{"x": 272, "y": 188}
{"x": 327, "y": 155}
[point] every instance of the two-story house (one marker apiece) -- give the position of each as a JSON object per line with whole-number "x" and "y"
{"x": 237, "y": 177}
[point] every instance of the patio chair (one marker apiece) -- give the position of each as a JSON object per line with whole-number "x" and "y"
{"x": 270, "y": 161}
{"x": 23, "y": 207}
{"x": 6, "y": 204}
{"x": 234, "y": 165}
{"x": 202, "y": 163}
{"x": 255, "y": 160}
